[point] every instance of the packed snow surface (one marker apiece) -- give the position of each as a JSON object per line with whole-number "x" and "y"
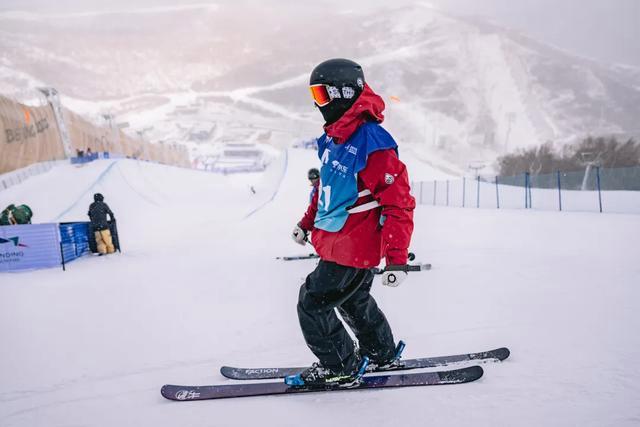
{"x": 197, "y": 286}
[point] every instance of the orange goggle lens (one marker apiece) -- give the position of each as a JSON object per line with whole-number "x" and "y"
{"x": 320, "y": 95}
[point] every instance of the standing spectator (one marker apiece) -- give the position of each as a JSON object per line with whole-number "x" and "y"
{"x": 98, "y": 211}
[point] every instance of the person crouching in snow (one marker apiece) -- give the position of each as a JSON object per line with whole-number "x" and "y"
{"x": 98, "y": 211}
{"x": 363, "y": 212}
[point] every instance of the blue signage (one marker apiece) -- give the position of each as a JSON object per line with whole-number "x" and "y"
{"x": 29, "y": 246}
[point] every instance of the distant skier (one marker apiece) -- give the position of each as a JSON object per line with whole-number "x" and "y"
{"x": 314, "y": 177}
{"x": 362, "y": 211}
{"x": 98, "y": 211}
{"x": 310, "y": 215}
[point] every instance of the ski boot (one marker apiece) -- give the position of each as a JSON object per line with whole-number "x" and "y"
{"x": 317, "y": 376}
{"x": 389, "y": 364}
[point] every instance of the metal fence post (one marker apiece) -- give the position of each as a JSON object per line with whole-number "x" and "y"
{"x": 62, "y": 257}
{"x": 497, "y": 195}
{"x": 421, "y": 182}
{"x": 526, "y": 186}
{"x": 599, "y": 190}
{"x": 559, "y": 193}
{"x": 447, "y": 192}
{"x": 464, "y": 183}
{"x": 478, "y": 191}
{"x": 435, "y": 189}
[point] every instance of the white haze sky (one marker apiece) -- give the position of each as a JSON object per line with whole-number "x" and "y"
{"x": 606, "y": 30}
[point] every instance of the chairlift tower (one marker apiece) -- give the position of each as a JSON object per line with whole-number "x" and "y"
{"x": 53, "y": 99}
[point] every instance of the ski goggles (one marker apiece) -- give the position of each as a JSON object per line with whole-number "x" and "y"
{"x": 320, "y": 94}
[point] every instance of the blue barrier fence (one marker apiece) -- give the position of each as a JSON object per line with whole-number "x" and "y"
{"x": 89, "y": 158}
{"x": 37, "y": 246}
{"x": 29, "y": 247}
{"x": 74, "y": 240}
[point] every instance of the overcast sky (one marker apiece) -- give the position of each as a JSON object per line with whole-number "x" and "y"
{"x": 606, "y": 30}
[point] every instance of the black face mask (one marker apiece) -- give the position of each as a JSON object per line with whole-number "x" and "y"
{"x": 337, "y": 107}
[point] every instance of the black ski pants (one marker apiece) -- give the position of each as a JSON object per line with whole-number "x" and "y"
{"x": 332, "y": 286}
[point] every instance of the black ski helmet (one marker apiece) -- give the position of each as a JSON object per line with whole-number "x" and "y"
{"x": 98, "y": 197}
{"x": 313, "y": 174}
{"x": 340, "y": 74}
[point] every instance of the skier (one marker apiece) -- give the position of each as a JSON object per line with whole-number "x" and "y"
{"x": 98, "y": 211}
{"x": 362, "y": 211}
{"x": 309, "y": 217}
{"x": 313, "y": 175}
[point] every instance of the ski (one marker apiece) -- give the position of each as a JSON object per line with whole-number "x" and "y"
{"x": 498, "y": 354}
{"x": 298, "y": 257}
{"x": 187, "y": 393}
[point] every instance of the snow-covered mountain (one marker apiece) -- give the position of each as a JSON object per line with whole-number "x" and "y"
{"x": 457, "y": 89}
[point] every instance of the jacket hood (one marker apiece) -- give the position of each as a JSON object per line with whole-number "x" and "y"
{"x": 368, "y": 107}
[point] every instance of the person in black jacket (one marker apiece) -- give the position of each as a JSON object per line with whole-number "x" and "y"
{"x": 98, "y": 211}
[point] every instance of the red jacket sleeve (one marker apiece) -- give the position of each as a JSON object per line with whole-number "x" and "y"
{"x": 309, "y": 218}
{"x": 387, "y": 179}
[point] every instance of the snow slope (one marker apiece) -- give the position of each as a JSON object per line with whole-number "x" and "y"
{"x": 197, "y": 286}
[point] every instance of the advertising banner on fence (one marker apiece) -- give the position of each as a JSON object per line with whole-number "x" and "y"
{"x": 29, "y": 246}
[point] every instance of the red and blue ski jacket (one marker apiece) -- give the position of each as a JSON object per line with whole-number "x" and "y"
{"x": 363, "y": 209}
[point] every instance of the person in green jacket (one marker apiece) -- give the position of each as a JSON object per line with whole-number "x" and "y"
{"x": 13, "y": 215}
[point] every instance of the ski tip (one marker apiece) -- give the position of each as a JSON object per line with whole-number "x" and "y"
{"x": 502, "y": 353}
{"x": 498, "y": 354}
{"x": 463, "y": 375}
{"x": 474, "y": 372}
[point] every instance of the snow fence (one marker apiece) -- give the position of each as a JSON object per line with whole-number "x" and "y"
{"x": 596, "y": 189}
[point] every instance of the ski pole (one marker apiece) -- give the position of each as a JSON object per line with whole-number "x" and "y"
{"x": 406, "y": 268}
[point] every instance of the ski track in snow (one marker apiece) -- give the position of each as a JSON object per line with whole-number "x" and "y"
{"x": 197, "y": 286}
